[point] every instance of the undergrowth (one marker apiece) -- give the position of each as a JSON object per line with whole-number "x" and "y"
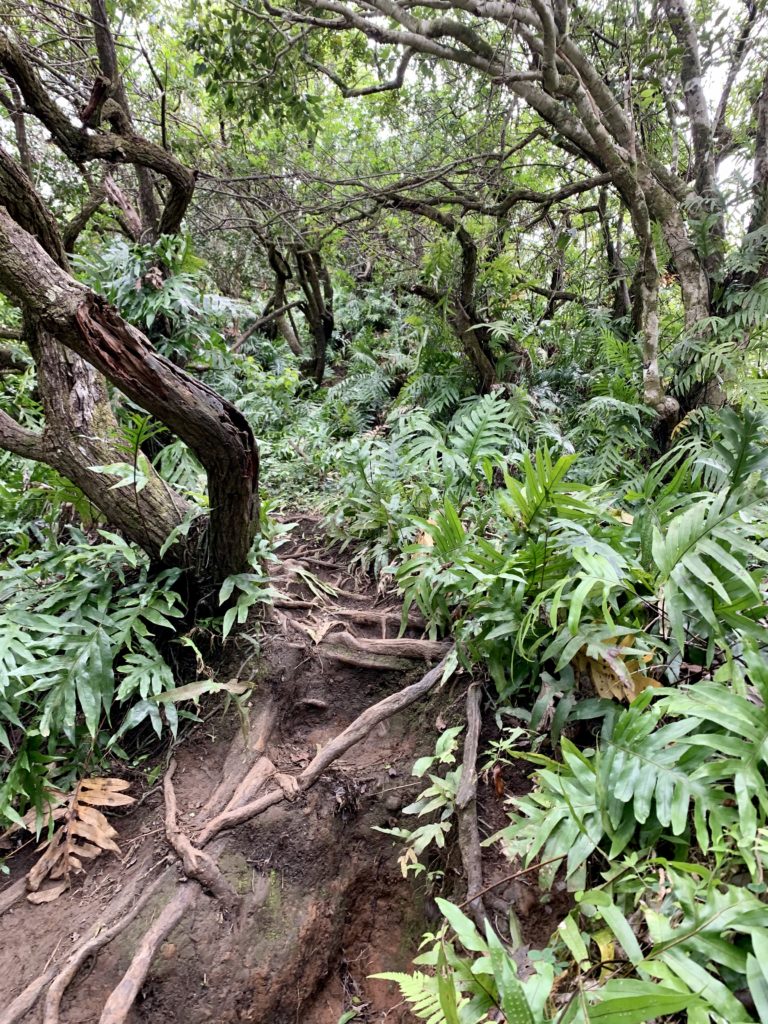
{"x": 608, "y": 584}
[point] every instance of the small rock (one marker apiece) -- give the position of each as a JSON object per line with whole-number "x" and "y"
{"x": 168, "y": 950}
{"x": 393, "y": 801}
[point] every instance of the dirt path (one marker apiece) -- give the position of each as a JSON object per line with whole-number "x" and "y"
{"x": 309, "y": 898}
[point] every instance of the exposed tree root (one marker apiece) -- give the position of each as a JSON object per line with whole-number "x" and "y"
{"x": 236, "y": 815}
{"x": 466, "y": 810}
{"x": 371, "y": 717}
{"x": 380, "y": 654}
{"x": 12, "y": 894}
{"x": 244, "y": 750}
{"x": 120, "y": 1001}
{"x": 200, "y": 865}
{"x": 260, "y": 773}
{"x": 27, "y": 998}
{"x": 197, "y": 863}
{"x": 89, "y": 948}
{"x": 428, "y": 650}
{"x": 99, "y": 937}
{"x": 351, "y": 595}
{"x": 383, "y": 618}
{"x": 360, "y": 728}
{"x": 119, "y": 1004}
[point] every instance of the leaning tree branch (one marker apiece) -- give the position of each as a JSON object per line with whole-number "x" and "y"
{"x": 257, "y": 325}
{"x": 466, "y": 810}
{"x": 368, "y": 90}
{"x": 214, "y": 429}
{"x": 737, "y": 59}
{"x": 105, "y": 46}
{"x": 83, "y": 146}
{"x": 75, "y": 227}
{"x": 17, "y": 439}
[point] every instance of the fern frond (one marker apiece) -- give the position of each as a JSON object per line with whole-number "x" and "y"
{"x": 740, "y": 451}
{"x": 482, "y": 429}
{"x": 420, "y": 991}
{"x": 703, "y": 556}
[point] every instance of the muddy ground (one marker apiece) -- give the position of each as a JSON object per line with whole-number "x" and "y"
{"x": 321, "y": 901}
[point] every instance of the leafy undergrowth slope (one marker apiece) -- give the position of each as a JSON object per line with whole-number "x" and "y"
{"x": 311, "y": 899}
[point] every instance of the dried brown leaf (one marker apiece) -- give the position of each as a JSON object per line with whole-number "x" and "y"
{"x": 63, "y": 853}
{"x": 615, "y": 676}
{"x": 94, "y": 835}
{"x": 105, "y": 785}
{"x": 106, "y": 798}
{"x": 39, "y": 872}
{"x": 95, "y": 818}
{"x": 50, "y": 894}
{"x": 88, "y": 850}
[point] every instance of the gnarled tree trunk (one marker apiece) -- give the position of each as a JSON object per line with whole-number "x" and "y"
{"x": 77, "y": 340}
{"x": 81, "y": 427}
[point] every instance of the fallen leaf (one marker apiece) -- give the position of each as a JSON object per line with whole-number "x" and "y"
{"x": 50, "y": 894}
{"x": 614, "y": 676}
{"x": 80, "y": 820}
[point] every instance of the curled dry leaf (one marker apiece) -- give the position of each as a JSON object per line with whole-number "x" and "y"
{"x": 48, "y": 895}
{"x": 83, "y": 834}
{"x": 614, "y": 675}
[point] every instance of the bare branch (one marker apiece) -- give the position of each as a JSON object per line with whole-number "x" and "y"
{"x": 368, "y": 90}
{"x": 737, "y": 58}
{"x": 17, "y": 439}
{"x": 83, "y": 146}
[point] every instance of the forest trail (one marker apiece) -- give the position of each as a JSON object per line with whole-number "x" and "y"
{"x": 310, "y": 898}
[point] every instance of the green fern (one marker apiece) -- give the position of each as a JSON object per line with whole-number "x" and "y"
{"x": 739, "y": 451}
{"x": 482, "y": 429}
{"x": 734, "y": 727}
{"x": 704, "y": 556}
{"x": 421, "y": 992}
{"x": 543, "y": 486}
{"x": 638, "y": 784}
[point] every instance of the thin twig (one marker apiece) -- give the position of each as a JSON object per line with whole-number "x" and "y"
{"x": 512, "y": 877}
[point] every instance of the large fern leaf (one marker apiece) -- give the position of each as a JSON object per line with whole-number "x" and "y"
{"x": 704, "y": 557}
{"x": 482, "y": 429}
{"x": 740, "y": 451}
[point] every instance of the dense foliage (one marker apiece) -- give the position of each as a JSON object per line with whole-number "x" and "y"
{"x": 502, "y": 386}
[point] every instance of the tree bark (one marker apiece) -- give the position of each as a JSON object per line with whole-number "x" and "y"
{"x": 462, "y": 302}
{"x": 282, "y": 272}
{"x": 592, "y": 120}
{"x": 75, "y": 337}
{"x": 121, "y": 146}
{"x": 59, "y": 308}
{"x": 105, "y": 46}
{"x": 315, "y": 283}
{"x": 621, "y": 305}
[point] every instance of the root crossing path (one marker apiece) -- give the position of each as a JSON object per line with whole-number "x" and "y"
{"x": 251, "y": 884}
